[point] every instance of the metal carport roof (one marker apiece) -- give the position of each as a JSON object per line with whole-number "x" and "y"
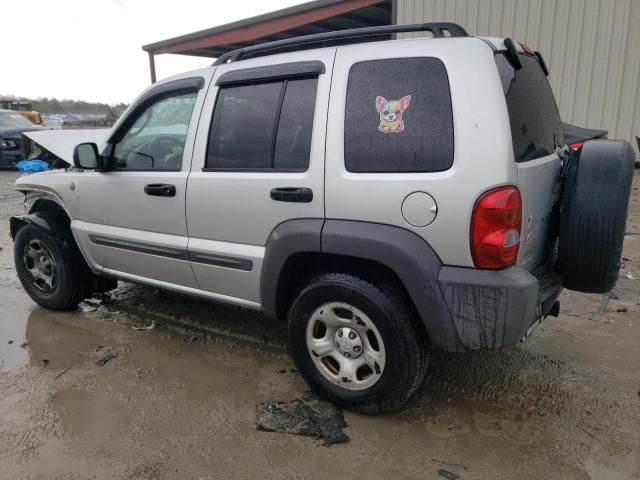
{"x": 308, "y": 18}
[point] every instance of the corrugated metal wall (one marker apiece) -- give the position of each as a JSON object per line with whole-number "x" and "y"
{"x": 592, "y": 48}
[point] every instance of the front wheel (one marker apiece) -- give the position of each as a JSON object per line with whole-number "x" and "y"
{"x": 49, "y": 272}
{"x": 357, "y": 344}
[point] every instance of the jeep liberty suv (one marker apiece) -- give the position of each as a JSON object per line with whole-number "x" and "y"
{"x": 385, "y": 198}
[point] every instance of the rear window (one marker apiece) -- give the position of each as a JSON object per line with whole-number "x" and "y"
{"x": 263, "y": 126}
{"x": 398, "y": 116}
{"x": 535, "y": 122}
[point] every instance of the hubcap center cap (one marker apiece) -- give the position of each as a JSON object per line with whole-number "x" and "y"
{"x": 348, "y": 342}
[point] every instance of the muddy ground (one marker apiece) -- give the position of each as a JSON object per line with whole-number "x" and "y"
{"x": 178, "y": 402}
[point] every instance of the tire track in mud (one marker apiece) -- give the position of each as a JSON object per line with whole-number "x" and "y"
{"x": 518, "y": 386}
{"x": 19, "y": 443}
{"x": 224, "y": 322}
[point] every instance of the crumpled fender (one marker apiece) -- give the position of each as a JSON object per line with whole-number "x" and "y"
{"x": 53, "y": 223}
{"x": 57, "y": 225}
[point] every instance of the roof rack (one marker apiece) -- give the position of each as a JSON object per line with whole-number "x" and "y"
{"x": 438, "y": 29}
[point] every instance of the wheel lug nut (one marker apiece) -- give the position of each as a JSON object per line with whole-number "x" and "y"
{"x": 347, "y": 354}
{"x": 356, "y": 348}
{"x": 337, "y": 345}
{"x": 340, "y": 333}
{"x": 352, "y": 335}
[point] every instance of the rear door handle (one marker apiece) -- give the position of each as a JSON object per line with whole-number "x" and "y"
{"x": 160, "y": 190}
{"x": 292, "y": 194}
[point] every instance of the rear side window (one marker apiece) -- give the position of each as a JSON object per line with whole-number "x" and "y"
{"x": 265, "y": 126}
{"x": 398, "y": 116}
{"x": 536, "y": 129}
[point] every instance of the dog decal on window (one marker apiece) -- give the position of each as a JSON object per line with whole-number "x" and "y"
{"x": 391, "y": 114}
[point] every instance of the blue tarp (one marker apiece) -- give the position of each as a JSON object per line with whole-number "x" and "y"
{"x": 32, "y": 166}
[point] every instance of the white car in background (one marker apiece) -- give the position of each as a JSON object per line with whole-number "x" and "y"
{"x": 55, "y": 122}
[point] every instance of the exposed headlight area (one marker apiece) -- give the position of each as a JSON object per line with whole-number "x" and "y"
{"x": 9, "y": 144}
{"x": 10, "y": 152}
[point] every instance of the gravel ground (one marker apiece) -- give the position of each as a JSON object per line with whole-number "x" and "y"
{"x": 178, "y": 401}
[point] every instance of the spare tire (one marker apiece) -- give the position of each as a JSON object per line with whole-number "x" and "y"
{"x": 594, "y": 215}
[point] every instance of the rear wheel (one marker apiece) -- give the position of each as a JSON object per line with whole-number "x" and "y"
{"x": 358, "y": 345}
{"x": 49, "y": 273}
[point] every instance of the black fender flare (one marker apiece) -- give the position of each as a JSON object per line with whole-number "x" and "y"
{"x": 287, "y": 239}
{"x": 407, "y": 255}
{"x": 403, "y": 252}
{"x": 57, "y": 224}
{"x": 54, "y": 223}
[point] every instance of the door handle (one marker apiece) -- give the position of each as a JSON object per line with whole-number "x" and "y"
{"x": 292, "y": 194}
{"x": 160, "y": 190}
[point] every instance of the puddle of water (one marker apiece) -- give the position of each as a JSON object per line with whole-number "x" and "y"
{"x": 16, "y": 308}
{"x": 601, "y": 472}
{"x": 90, "y": 418}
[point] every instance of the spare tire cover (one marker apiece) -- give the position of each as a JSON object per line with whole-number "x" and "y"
{"x": 594, "y": 215}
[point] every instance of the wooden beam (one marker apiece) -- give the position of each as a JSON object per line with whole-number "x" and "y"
{"x": 152, "y": 67}
{"x": 269, "y": 27}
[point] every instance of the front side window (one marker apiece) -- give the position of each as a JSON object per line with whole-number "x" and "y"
{"x": 265, "y": 126}
{"x": 398, "y": 116}
{"x": 156, "y": 139}
{"x": 536, "y": 129}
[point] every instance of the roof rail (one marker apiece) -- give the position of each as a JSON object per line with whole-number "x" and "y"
{"x": 438, "y": 29}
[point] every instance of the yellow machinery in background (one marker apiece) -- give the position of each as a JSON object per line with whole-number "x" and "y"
{"x": 25, "y": 109}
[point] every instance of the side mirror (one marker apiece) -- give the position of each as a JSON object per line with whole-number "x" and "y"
{"x": 86, "y": 157}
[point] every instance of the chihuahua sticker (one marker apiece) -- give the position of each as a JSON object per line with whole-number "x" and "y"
{"x": 391, "y": 114}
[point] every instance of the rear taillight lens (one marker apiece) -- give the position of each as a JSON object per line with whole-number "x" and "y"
{"x": 575, "y": 146}
{"x": 495, "y": 228}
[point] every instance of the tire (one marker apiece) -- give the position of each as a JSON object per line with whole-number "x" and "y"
{"x": 63, "y": 289}
{"x": 383, "y": 316}
{"x": 594, "y": 215}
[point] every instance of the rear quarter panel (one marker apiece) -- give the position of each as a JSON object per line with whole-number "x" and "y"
{"x": 483, "y": 157}
{"x": 538, "y": 181}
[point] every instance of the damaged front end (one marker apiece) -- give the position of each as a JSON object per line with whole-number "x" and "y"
{"x": 56, "y": 146}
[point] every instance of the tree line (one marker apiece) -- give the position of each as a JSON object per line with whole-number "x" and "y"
{"x": 53, "y": 105}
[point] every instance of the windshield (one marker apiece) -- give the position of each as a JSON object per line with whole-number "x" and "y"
{"x": 13, "y": 120}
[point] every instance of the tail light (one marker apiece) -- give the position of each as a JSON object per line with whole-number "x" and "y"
{"x": 495, "y": 228}
{"x": 575, "y": 146}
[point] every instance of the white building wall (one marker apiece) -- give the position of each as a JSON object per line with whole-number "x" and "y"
{"x": 592, "y": 49}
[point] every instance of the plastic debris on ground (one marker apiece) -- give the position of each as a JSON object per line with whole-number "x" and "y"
{"x": 152, "y": 326}
{"x": 89, "y": 305}
{"x": 307, "y": 416}
{"x": 32, "y": 166}
{"x": 448, "y": 475}
{"x": 101, "y": 362}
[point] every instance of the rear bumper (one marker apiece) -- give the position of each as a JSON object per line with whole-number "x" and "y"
{"x": 492, "y": 309}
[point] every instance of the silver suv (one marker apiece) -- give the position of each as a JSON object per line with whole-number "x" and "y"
{"x": 385, "y": 198}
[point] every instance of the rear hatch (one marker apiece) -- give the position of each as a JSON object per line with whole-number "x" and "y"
{"x": 537, "y": 137}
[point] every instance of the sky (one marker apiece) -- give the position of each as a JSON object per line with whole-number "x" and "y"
{"x": 91, "y": 49}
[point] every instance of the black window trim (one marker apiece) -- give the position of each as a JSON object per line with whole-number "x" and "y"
{"x": 272, "y": 73}
{"x": 276, "y": 124}
{"x": 169, "y": 89}
{"x": 255, "y": 170}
